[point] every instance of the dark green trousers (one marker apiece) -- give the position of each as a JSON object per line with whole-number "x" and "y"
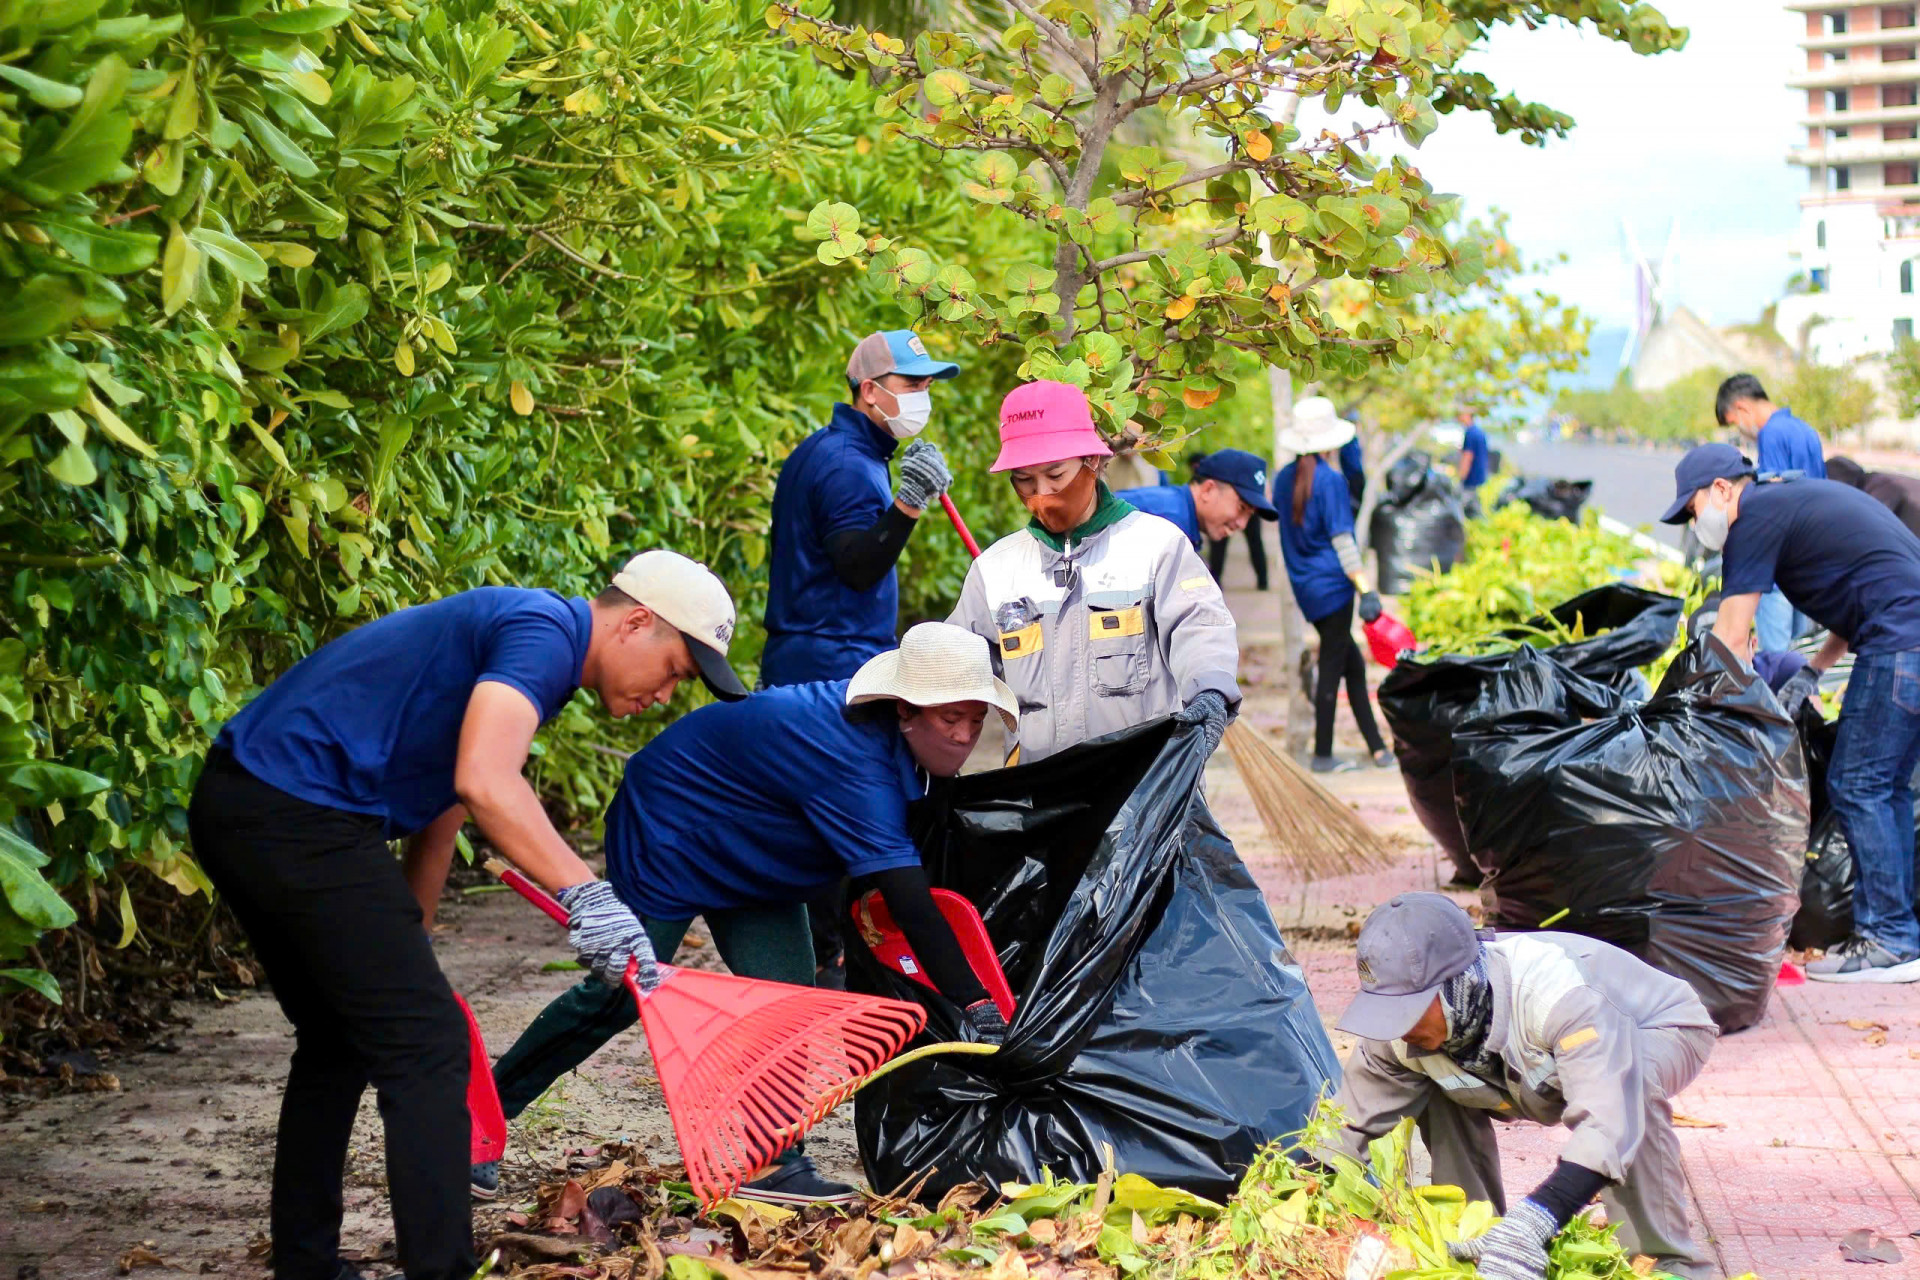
{"x": 772, "y": 942}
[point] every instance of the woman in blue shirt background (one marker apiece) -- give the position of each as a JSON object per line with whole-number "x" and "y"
{"x": 1323, "y": 564}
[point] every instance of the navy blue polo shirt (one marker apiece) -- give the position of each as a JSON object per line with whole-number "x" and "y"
{"x": 1170, "y": 502}
{"x": 1839, "y": 556}
{"x": 819, "y": 628}
{"x": 370, "y": 723}
{"x": 1788, "y": 444}
{"x": 766, "y": 800}
{"x": 1475, "y": 442}
{"x": 1313, "y": 566}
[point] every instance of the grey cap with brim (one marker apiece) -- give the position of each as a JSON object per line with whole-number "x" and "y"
{"x": 1406, "y": 951}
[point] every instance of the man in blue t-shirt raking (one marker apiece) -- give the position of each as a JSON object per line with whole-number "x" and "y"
{"x": 1785, "y": 444}
{"x": 1849, "y": 564}
{"x": 403, "y": 729}
{"x": 839, "y": 521}
{"x": 742, "y": 813}
{"x": 1229, "y": 491}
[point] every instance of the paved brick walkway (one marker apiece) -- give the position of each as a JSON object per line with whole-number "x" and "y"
{"x": 1815, "y": 1122}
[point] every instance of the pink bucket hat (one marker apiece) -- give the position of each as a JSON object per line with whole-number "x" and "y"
{"x": 1044, "y": 422}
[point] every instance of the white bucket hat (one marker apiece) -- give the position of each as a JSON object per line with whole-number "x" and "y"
{"x": 936, "y": 663}
{"x": 1316, "y": 428}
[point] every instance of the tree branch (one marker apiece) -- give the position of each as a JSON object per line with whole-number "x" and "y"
{"x": 588, "y": 263}
{"x": 1060, "y": 37}
{"x": 1139, "y": 195}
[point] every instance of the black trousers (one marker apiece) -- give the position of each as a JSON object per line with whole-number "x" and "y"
{"x": 1256, "y": 552}
{"x": 322, "y": 899}
{"x": 1340, "y": 659}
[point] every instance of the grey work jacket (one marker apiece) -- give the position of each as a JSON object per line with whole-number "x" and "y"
{"x": 1565, "y": 1012}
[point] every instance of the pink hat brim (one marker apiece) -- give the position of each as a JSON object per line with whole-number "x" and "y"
{"x": 1050, "y": 446}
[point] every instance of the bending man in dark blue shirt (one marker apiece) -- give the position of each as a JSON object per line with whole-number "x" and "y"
{"x": 1228, "y": 492}
{"x": 1848, "y": 563}
{"x": 742, "y": 813}
{"x": 839, "y": 523}
{"x": 1784, "y": 444}
{"x": 404, "y": 728}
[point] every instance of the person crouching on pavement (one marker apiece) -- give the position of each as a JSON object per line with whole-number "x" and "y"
{"x": 1459, "y": 1029}
{"x": 741, "y": 812}
{"x": 1105, "y": 617}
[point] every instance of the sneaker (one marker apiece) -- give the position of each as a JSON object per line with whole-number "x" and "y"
{"x": 1384, "y": 759}
{"x": 1331, "y": 764}
{"x": 1863, "y": 959}
{"x": 485, "y": 1180}
{"x": 797, "y": 1182}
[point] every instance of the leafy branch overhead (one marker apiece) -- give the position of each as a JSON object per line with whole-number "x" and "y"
{"x": 1170, "y": 259}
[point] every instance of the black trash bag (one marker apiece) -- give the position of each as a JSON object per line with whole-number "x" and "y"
{"x": 1549, "y": 499}
{"x": 1676, "y": 829}
{"x": 1423, "y": 700}
{"x": 1159, "y": 1010}
{"x": 1418, "y": 524}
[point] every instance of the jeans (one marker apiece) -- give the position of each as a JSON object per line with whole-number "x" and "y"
{"x": 1869, "y": 785}
{"x": 1776, "y": 622}
{"x": 321, "y": 898}
{"x": 772, "y": 942}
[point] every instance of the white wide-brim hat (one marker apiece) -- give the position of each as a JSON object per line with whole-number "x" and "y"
{"x": 1316, "y": 428}
{"x": 936, "y": 663}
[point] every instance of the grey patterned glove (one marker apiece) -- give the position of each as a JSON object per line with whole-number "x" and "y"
{"x": 1516, "y": 1246}
{"x": 1801, "y": 685}
{"x": 923, "y": 475}
{"x": 606, "y": 934}
{"x": 984, "y": 1023}
{"x": 1208, "y": 710}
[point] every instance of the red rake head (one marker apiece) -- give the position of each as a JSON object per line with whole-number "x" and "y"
{"x": 747, "y": 1067}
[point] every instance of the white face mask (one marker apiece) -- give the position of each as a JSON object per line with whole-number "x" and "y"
{"x": 1710, "y": 526}
{"x": 915, "y": 407}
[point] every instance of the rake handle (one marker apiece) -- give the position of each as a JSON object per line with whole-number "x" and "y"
{"x": 516, "y": 880}
{"x": 960, "y": 526}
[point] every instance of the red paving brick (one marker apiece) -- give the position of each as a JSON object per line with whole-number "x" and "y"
{"x": 1821, "y": 1125}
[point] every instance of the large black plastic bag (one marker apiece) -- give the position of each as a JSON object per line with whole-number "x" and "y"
{"x": 1675, "y": 828}
{"x": 1418, "y": 524}
{"x": 1548, "y": 499}
{"x": 1423, "y": 700}
{"x": 1160, "y": 1012}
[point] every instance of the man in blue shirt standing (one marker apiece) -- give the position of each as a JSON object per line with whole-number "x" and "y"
{"x": 1785, "y": 444}
{"x": 741, "y": 813}
{"x": 1229, "y": 489}
{"x": 839, "y": 523}
{"x": 402, "y": 729}
{"x": 1847, "y": 562}
{"x": 1473, "y": 465}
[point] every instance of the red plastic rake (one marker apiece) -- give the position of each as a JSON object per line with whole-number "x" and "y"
{"x": 489, "y": 1122}
{"x": 746, "y": 1067}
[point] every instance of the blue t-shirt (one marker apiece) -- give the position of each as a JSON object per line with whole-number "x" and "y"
{"x": 767, "y": 800}
{"x": 1475, "y": 443}
{"x": 1839, "y": 556}
{"x": 370, "y": 723}
{"x": 819, "y": 628}
{"x": 1313, "y": 566}
{"x": 1170, "y": 502}
{"x": 1788, "y": 444}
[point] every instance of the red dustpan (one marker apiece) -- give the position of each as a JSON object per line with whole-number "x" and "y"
{"x": 746, "y": 1067}
{"x": 483, "y": 1100}
{"x": 889, "y": 945}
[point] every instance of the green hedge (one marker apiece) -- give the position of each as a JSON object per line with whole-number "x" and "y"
{"x": 322, "y": 311}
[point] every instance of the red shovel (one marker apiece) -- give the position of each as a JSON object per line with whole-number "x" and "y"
{"x": 889, "y": 945}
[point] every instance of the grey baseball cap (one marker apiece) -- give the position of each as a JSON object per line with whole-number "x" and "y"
{"x": 1408, "y": 947}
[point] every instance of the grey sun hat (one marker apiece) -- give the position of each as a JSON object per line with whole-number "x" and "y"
{"x": 1407, "y": 949}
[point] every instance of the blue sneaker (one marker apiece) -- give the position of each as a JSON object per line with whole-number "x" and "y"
{"x": 797, "y": 1182}
{"x": 485, "y": 1179}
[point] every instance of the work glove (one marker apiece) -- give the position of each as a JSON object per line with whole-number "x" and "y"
{"x": 1515, "y": 1248}
{"x": 1208, "y": 710}
{"x": 606, "y": 934}
{"x": 1801, "y": 685}
{"x": 923, "y": 475}
{"x": 984, "y": 1023}
{"x": 1369, "y": 606}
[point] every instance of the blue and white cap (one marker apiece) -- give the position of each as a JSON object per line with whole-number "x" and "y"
{"x": 895, "y": 351}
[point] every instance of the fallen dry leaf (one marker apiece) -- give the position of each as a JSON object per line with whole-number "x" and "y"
{"x": 1876, "y": 1038}
{"x": 1643, "y": 1264}
{"x": 141, "y": 1255}
{"x": 1694, "y": 1122}
{"x": 1865, "y": 1024}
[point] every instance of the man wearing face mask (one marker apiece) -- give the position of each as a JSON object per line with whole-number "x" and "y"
{"x": 739, "y": 813}
{"x": 1848, "y": 563}
{"x": 840, "y": 522}
{"x": 1105, "y": 617}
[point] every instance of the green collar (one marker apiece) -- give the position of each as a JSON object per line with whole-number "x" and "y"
{"x": 1109, "y": 510}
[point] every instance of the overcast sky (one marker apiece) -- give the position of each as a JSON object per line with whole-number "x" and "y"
{"x": 1698, "y": 137}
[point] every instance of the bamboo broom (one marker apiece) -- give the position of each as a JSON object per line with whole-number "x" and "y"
{"x": 1314, "y": 832}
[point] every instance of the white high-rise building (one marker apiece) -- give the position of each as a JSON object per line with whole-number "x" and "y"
{"x": 1859, "y": 230}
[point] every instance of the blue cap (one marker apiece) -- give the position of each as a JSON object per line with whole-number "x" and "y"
{"x": 895, "y": 351}
{"x": 1701, "y": 467}
{"x": 1246, "y": 472}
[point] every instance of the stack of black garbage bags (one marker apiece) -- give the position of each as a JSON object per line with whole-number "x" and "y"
{"x": 1672, "y": 823}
